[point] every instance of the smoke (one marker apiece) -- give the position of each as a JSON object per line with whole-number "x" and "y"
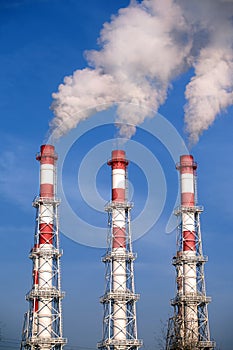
{"x": 142, "y": 50}
{"x": 210, "y": 91}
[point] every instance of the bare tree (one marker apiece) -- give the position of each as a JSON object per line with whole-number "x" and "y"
{"x": 161, "y": 335}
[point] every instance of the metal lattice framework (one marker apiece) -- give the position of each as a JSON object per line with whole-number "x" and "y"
{"x": 125, "y": 296}
{"x": 188, "y": 329}
{"x": 119, "y": 299}
{"x": 43, "y": 322}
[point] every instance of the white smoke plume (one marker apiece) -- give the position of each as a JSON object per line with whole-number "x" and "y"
{"x": 210, "y": 91}
{"x": 142, "y": 49}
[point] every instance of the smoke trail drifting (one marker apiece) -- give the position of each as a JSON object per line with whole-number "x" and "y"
{"x": 210, "y": 91}
{"x": 142, "y": 49}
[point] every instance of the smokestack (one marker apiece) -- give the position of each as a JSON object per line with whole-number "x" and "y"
{"x": 119, "y": 323}
{"x": 47, "y": 159}
{"x": 118, "y": 164}
{"x": 42, "y": 327}
{"x": 189, "y": 328}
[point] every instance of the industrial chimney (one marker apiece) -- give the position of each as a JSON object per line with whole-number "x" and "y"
{"x": 119, "y": 299}
{"x": 43, "y": 322}
{"x": 189, "y": 327}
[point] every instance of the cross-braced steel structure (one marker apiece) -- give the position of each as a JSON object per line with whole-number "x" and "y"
{"x": 42, "y": 328}
{"x": 188, "y": 329}
{"x": 119, "y": 299}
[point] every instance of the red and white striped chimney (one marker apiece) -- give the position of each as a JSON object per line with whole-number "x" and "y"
{"x": 119, "y": 165}
{"x": 43, "y": 321}
{"x": 47, "y": 158}
{"x": 187, "y": 168}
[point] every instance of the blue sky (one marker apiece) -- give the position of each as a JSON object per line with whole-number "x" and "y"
{"x": 41, "y": 42}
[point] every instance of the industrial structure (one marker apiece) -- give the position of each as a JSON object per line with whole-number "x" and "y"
{"x": 189, "y": 327}
{"x": 43, "y": 322}
{"x": 119, "y": 299}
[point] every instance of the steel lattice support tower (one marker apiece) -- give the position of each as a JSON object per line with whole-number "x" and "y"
{"x": 189, "y": 327}
{"x": 119, "y": 299}
{"x": 43, "y": 322}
